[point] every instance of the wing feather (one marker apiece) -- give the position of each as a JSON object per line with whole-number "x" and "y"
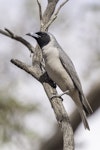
{"x": 69, "y": 66}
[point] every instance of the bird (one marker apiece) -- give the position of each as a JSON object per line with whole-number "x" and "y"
{"x": 61, "y": 70}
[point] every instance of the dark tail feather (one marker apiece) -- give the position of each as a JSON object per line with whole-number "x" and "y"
{"x": 83, "y": 107}
{"x": 84, "y": 119}
{"x": 86, "y": 106}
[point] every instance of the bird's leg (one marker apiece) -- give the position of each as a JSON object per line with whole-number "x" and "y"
{"x": 60, "y": 95}
{"x": 66, "y": 92}
{"x": 52, "y": 83}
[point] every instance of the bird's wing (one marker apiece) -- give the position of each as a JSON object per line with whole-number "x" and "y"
{"x": 68, "y": 65}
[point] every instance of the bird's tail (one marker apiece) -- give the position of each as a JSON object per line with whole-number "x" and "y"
{"x": 81, "y": 109}
{"x": 84, "y": 119}
{"x": 86, "y": 105}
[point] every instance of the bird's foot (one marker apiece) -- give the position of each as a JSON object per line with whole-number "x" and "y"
{"x": 60, "y": 95}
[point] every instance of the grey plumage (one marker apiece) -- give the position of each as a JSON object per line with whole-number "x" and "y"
{"x": 67, "y": 63}
{"x": 62, "y": 71}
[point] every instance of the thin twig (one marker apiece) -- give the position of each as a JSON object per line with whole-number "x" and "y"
{"x": 40, "y": 9}
{"x": 54, "y": 16}
{"x": 61, "y": 6}
{"x": 5, "y": 33}
{"x": 40, "y": 13}
{"x": 10, "y": 34}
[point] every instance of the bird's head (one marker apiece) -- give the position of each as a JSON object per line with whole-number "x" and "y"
{"x": 42, "y": 38}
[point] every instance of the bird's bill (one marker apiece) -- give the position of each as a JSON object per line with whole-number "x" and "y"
{"x": 34, "y": 35}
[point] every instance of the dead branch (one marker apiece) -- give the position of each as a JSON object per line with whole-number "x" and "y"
{"x": 40, "y": 13}
{"x": 54, "y": 16}
{"x": 10, "y": 34}
{"x": 50, "y": 8}
{"x": 29, "y": 69}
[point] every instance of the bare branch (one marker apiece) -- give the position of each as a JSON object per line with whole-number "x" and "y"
{"x": 29, "y": 69}
{"x": 5, "y": 33}
{"x": 68, "y": 139}
{"x": 40, "y": 13}
{"x": 40, "y": 9}
{"x": 61, "y": 7}
{"x": 10, "y": 34}
{"x": 54, "y": 16}
{"x": 49, "y": 10}
{"x": 62, "y": 118}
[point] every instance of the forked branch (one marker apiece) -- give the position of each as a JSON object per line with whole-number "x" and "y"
{"x": 54, "y": 16}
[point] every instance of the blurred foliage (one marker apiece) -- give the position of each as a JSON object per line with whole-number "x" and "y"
{"x": 12, "y": 117}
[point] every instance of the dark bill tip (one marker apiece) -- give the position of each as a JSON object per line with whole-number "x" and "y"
{"x": 28, "y": 34}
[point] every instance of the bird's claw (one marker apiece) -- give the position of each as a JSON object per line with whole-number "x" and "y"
{"x": 56, "y": 96}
